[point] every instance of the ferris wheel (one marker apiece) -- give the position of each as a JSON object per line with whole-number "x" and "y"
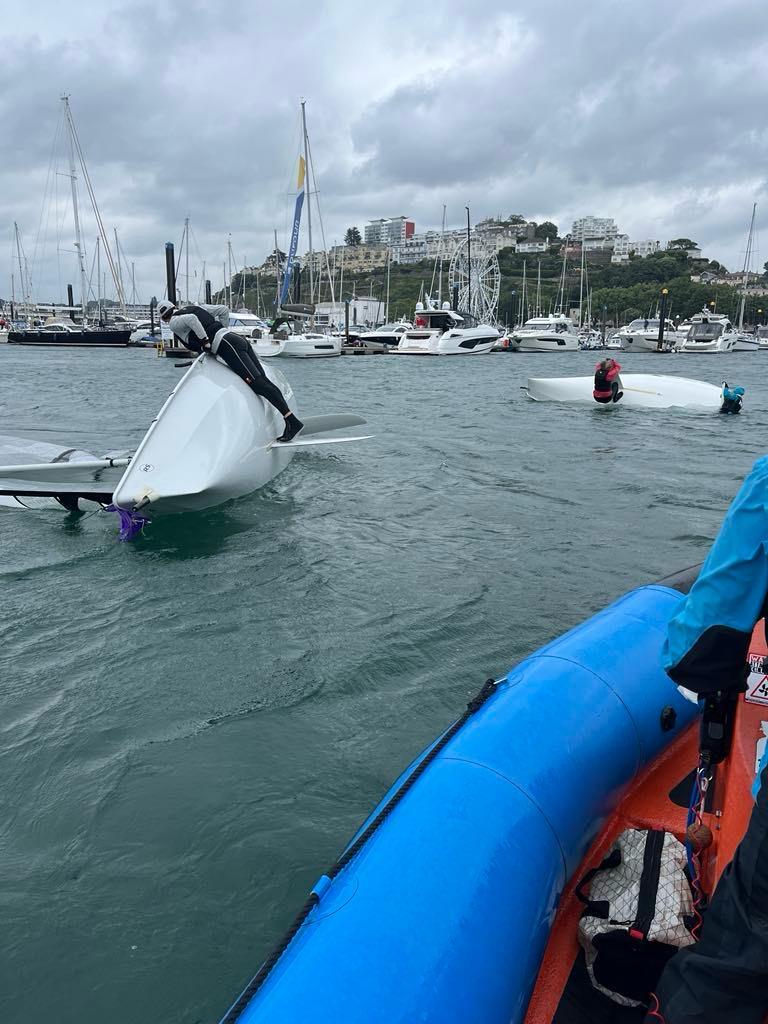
{"x": 478, "y": 277}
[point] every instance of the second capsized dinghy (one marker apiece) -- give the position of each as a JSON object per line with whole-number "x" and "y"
{"x": 641, "y": 391}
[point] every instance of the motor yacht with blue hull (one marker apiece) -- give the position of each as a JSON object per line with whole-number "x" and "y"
{"x": 441, "y": 906}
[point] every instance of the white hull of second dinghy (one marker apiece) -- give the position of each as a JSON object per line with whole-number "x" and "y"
{"x": 641, "y": 391}
{"x": 211, "y": 441}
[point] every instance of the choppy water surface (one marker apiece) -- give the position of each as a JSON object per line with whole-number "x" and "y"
{"x": 192, "y": 725}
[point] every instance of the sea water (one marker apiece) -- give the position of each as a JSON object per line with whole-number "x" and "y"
{"x": 195, "y": 723}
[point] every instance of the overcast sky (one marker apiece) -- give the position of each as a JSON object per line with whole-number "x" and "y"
{"x": 646, "y": 111}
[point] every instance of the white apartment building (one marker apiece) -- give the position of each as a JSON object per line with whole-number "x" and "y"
{"x": 538, "y": 245}
{"x": 355, "y": 259}
{"x": 427, "y": 245}
{"x": 593, "y": 227}
{"x": 623, "y": 247}
{"x": 388, "y": 231}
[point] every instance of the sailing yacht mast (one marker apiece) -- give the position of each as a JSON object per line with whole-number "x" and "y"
{"x": 98, "y": 278}
{"x": 186, "y": 233}
{"x": 120, "y": 271}
{"x": 538, "y": 290}
{"x": 747, "y": 264}
{"x": 277, "y": 276}
{"x": 440, "y": 278}
{"x": 389, "y": 262}
{"x": 25, "y": 297}
{"x": 229, "y": 263}
{"x": 581, "y": 284}
{"x": 309, "y": 202}
{"x": 75, "y": 210}
{"x": 561, "y": 291}
{"x": 522, "y": 296}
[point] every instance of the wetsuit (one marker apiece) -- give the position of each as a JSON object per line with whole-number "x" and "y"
{"x": 198, "y": 329}
{"x": 607, "y": 388}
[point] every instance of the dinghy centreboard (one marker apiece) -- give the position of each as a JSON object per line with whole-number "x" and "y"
{"x": 641, "y": 391}
{"x": 213, "y": 440}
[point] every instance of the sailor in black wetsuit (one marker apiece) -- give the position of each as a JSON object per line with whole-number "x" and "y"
{"x": 204, "y": 329}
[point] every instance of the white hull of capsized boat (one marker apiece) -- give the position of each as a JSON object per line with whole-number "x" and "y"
{"x": 641, "y": 391}
{"x": 211, "y": 441}
{"x": 321, "y": 346}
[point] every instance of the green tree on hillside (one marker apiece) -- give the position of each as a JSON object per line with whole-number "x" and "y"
{"x": 353, "y": 237}
{"x": 547, "y": 230}
{"x": 682, "y": 243}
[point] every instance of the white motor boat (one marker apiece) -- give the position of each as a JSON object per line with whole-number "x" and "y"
{"x": 310, "y": 345}
{"x": 746, "y": 342}
{"x": 590, "y": 339}
{"x": 444, "y": 332}
{"x": 642, "y": 335}
{"x": 143, "y": 336}
{"x": 213, "y": 440}
{"x": 386, "y": 337}
{"x": 762, "y": 338}
{"x": 257, "y": 331}
{"x": 641, "y": 391}
{"x": 554, "y": 333}
{"x": 713, "y": 332}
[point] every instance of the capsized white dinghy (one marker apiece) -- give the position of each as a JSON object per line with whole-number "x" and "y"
{"x": 641, "y": 391}
{"x": 213, "y": 440}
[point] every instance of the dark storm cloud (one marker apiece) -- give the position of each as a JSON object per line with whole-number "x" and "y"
{"x": 648, "y": 112}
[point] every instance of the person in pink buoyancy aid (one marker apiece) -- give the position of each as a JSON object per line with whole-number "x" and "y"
{"x": 607, "y": 382}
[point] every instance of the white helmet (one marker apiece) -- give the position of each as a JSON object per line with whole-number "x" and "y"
{"x": 164, "y": 308}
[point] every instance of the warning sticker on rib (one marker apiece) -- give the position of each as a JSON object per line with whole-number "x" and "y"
{"x": 757, "y": 688}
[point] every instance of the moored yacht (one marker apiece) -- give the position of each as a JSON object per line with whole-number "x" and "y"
{"x": 444, "y": 332}
{"x": 310, "y": 345}
{"x": 710, "y": 332}
{"x": 71, "y": 334}
{"x": 385, "y": 337}
{"x": 553, "y": 333}
{"x": 263, "y": 342}
{"x": 642, "y": 335}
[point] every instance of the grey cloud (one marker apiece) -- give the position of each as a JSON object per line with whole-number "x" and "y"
{"x": 649, "y": 113}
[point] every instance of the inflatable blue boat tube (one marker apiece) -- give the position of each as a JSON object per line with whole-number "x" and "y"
{"x": 443, "y": 914}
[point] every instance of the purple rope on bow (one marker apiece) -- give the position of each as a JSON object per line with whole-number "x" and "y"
{"x": 131, "y": 522}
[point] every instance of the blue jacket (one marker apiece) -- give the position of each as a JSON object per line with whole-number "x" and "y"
{"x": 708, "y": 637}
